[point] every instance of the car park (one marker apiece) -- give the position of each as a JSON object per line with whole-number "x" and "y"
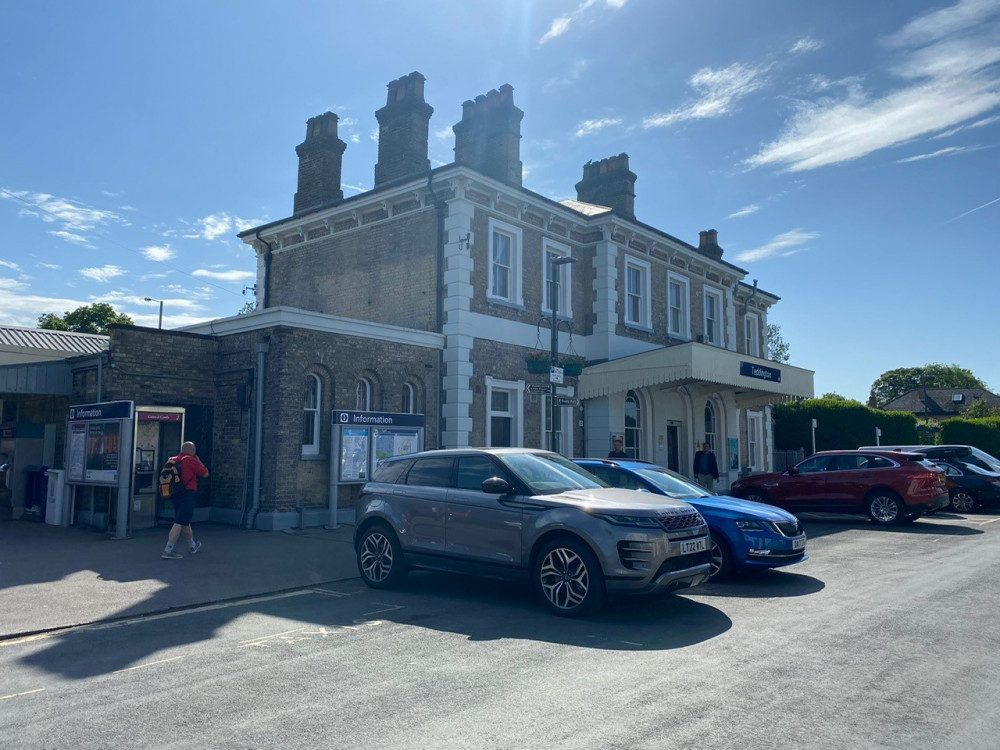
{"x": 890, "y": 486}
{"x": 525, "y": 514}
{"x": 745, "y": 535}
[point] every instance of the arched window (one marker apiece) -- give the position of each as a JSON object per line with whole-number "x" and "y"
{"x": 310, "y": 415}
{"x": 363, "y": 395}
{"x": 409, "y": 399}
{"x": 711, "y": 427}
{"x": 633, "y": 426}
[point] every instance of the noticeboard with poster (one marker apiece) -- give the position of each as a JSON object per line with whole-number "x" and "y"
{"x": 395, "y": 442}
{"x": 354, "y": 443}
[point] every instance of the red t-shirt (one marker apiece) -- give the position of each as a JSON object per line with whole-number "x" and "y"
{"x": 191, "y": 469}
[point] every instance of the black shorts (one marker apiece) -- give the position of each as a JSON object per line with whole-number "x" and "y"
{"x": 184, "y": 508}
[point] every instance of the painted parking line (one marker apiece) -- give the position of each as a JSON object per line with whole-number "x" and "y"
{"x": 18, "y": 695}
{"x": 147, "y": 664}
{"x": 261, "y": 639}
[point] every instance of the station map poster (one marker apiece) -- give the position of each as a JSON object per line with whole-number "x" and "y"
{"x": 395, "y": 442}
{"x": 77, "y": 452}
{"x": 354, "y": 442}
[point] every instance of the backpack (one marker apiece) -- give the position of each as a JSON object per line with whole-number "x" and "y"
{"x": 171, "y": 485}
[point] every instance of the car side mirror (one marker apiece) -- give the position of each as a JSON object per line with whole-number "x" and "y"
{"x": 792, "y": 472}
{"x": 497, "y": 486}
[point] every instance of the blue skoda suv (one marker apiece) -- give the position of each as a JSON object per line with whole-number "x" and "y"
{"x": 744, "y": 535}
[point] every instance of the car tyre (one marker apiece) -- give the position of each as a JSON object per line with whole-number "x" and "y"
{"x": 380, "y": 558}
{"x": 885, "y": 508}
{"x": 568, "y": 577}
{"x": 963, "y": 501}
{"x": 721, "y": 559}
{"x": 756, "y": 496}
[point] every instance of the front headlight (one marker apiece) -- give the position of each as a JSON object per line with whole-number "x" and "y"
{"x": 746, "y": 525}
{"x": 643, "y": 522}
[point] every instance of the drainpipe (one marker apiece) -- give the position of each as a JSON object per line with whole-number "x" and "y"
{"x": 267, "y": 270}
{"x": 439, "y": 206}
{"x": 262, "y": 349}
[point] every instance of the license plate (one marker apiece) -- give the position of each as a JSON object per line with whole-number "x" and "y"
{"x": 799, "y": 543}
{"x": 695, "y": 545}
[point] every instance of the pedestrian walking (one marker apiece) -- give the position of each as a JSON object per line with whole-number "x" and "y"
{"x": 191, "y": 468}
{"x": 706, "y": 469}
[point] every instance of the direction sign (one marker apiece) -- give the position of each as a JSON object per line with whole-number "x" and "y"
{"x": 539, "y": 388}
{"x": 567, "y": 401}
{"x": 556, "y": 375}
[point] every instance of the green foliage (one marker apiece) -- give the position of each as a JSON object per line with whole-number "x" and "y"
{"x": 982, "y": 433}
{"x": 248, "y": 307}
{"x": 894, "y": 383}
{"x": 95, "y": 318}
{"x": 837, "y": 397}
{"x": 981, "y": 409}
{"x": 841, "y": 424}
{"x": 777, "y": 347}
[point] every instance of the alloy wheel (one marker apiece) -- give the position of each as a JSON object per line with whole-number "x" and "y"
{"x": 376, "y": 557}
{"x": 885, "y": 509}
{"x": 716, "y": 558}
{"x": 963, "y": 502}
{"x": 564, "y": 578}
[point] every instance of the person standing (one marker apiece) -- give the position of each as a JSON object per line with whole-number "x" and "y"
{"x": 617, "y": 449}
{"x": 706, "y": 469}
{"x": 191, "y": 468}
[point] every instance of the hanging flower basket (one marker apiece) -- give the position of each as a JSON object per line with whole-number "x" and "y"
{"x": 572, "y": 365}
{"x": 537, "y": 361}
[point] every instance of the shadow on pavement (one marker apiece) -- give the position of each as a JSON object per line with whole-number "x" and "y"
{"x": 818, "y": 525}
{"x": 766, "y": 584}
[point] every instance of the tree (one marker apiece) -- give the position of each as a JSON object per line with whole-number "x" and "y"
{"x": 95, "y": 318}
{"x": 981, "y": 409}
{"x": 248, "y": 307}
{"x": 892, "y": 384}
{"x": 777, "y": 347}
{"x": 835, "y": 397}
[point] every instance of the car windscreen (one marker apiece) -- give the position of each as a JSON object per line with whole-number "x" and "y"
{"x": 984, "y": 460}
{"x": 549, "y": 473}
{"x": 670, "y": 484}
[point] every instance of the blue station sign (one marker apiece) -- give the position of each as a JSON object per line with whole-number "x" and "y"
{"x": 102, "y": 411}
{"x": 761, "y": 372}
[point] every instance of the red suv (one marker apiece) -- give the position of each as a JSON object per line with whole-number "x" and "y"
{"x": 890, "y": 486}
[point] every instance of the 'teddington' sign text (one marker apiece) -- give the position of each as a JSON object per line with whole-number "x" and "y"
{"x": 750, "y": 370}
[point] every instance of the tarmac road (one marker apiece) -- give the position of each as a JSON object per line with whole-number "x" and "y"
{"x": 884, "y": 638}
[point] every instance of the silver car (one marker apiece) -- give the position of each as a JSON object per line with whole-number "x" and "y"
{"x": 523, "y": 513}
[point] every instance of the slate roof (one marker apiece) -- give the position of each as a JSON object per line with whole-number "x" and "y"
{"x": 941, "y": 401}
{"x": 56, "y": 343}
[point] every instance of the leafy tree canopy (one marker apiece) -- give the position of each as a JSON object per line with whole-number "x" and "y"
{"x": 93, "y": 318}
{"x": 777, "y": 347}
{"x": 981, "y": 410}
{"x": 894, "y": 383}
{"x": 248, "y": 307}
{"x": 836, "y": 397}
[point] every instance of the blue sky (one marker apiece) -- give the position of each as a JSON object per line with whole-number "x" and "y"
{"x": 845, "y": 151}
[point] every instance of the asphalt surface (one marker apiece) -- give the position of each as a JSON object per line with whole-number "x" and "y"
{"x": 884, "y": 638}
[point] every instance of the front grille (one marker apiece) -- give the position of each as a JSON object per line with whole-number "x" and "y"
{"x": 635, "y": 555}
{"x": 684, "y": 561}
{"x": 681, "y": 521}
{"x": 779, "y": 556}
{"x": 789, "y": 528}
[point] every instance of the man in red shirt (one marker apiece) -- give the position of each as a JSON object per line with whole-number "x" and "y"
{"x": 190, "y": 468}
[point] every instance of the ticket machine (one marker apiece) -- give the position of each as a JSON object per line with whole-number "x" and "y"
{"x": 159, "y": 432}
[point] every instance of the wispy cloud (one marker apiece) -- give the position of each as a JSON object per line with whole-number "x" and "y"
{"x": 590, "y": 127}
{"x": 159, "y": 253}
{"x": 950, "y": 80}
{"x": 9, "y": 264}
{"x": 951, "y": 151}
{"x": 977, "y": 208}
{"x": 806, "y": 44}
{"x": 225, "y": 275}
{"x": 561, "y": 25}
{"x": 443, "y": 134}
{"x": 719, "y": 90}
{"x": 978, "y": 124}
{"x": 572, "y": 74}
{"x": 745, "y": 211}
{"x": 74, "y": 218}
{"x": 785, "y": 244}
{"x": 102, "y": 274}
{"x": 50, "y": 266}
{"x": 214, "y": 226}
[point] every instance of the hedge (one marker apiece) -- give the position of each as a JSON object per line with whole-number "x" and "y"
{"x": 840, "y": 425}
{"x": 982, "y": 433}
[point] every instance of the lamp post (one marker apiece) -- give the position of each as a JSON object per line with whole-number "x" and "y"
{"x": 554, "y": 263}
{"x": 150, "y": 299}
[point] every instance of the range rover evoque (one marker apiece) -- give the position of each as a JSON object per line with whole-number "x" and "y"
{"x": 525, "y": 514}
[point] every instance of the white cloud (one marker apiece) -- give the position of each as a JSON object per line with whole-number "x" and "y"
{"x": 225, "y": 275}
{"x": 590, "y": 127}
{"x": 978, "y": 124}
{"x": 216, "y": 226}
{"x": 944, "y": 22}
{"x": 806, "y": 44}
{"x": 76, "y": 239}
{"x": 159, "y": 253}
{"x": 561, "y": 25}
{"x": 373, "y": 135}
{"x": 50, "y": 266}
{"x": 950, "y": 151}
{"x": 102, "y": 274}
{"x": 573, "y": 74}
{"x": 24, "y": 310}
{"x": 75, "y": 218}
{"x": 10, "y": 264}
{"x": 972, "y": 211}
{"x": 745, "y": 211}
{"x": 785, "y": 244}
{"x": 720, "y": 90}
{"x": 10, "y": 284}
{"x": 443, "y": 134}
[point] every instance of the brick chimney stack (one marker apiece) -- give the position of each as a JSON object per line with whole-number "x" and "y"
{"x": 609, "y": 182}
{"x": 402, "y": 130}
{"x": 320, "y": 158}
{"x": 708, "y": 244}
{"x": 488, "y": 139}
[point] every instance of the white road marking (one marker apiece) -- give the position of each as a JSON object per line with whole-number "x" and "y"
{"x": 18, "y": 695}
{"x": 148, "y": 664}
{"x": 253, "y": 641}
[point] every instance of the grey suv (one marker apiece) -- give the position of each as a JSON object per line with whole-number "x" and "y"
{"x": 526, "y": 514}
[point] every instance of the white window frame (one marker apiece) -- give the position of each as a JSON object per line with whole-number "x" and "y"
{"x": 516, "y": 411}
{"x": 755, "y": 440}
{"x": 312, "y": 448}
{"x": 514, "y": 291}
{"x": 409, "y": 394}
{"x": 363, "y": 394}
{"x": 565, "y": 279}
{"x": 683, "y": 329}
{"x": 751, "y": 334}
{"x": 645, "y": 310}
{"x": 633, "y": 435}
{"x": 716, "y": 295}
{"x": 711, "y": 435}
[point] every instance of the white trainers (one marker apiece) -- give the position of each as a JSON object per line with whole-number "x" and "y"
{"x": 197, "y": 546}
{"x": 171, "y": 556}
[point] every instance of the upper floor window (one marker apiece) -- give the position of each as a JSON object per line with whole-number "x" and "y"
{"x": 409, "y": 399}
{"x": 563, "y": 273}
{"x": 713, "y": 317}
{"x": 505, "y": 263}
{"x": 637, "y": 311}
{"x": 310, "y": 415}
{"x": 678, "y": 302}
{"x": 751, "y": 324}
{"x": 363, "y": 395}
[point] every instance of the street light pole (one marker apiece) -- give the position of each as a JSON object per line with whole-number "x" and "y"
{"x": 554, "y": 264}
{"x": 150, "y": 299}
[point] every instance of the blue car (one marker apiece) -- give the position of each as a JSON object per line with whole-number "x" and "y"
{"x": 745, "y": 535}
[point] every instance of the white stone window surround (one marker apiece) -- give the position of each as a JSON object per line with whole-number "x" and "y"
{"x": 516, "y": 409}
{"x": 678, "y": 305}
{"x": 755, "y": 440}
{"x": 637, "y": 294}
{"x": 310, "y": 414}
{"x": 751, "y": 334}
{"x": 551, "y": 247}
{"x": 513, "y": 268}
{"x": 717, "y": 297}
{"x": 363, "y": 395}
{"x": 409, "y": 399}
